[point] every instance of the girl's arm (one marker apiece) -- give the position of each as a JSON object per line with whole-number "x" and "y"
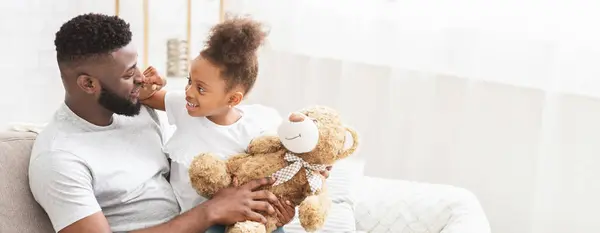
{"x": 155, "y": 101}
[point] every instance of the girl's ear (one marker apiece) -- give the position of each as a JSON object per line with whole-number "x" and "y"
{"x": 235, "y": 98}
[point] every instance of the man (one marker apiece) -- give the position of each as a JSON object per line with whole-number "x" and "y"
{"x": 98, "y": 165}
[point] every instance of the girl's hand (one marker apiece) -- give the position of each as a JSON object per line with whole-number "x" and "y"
{"x": 152, "y": 83}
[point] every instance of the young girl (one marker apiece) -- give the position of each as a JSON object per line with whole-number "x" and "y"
{"x": 207, "y": 115}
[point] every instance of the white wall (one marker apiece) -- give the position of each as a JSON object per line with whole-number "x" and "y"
{"x": 31, "y": 86}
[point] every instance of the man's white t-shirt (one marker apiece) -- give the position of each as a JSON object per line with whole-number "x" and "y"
{"x": 77, "y": 169}
{"x": 195, "y": 135}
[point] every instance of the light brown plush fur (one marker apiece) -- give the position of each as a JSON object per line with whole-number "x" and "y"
{"x": 265, "y": 156}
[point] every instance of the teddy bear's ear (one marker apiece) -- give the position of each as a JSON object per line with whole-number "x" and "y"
{"x": 354, "y": 136}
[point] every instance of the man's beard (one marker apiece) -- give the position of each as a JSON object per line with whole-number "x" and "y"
{"x": 117, "y": 104}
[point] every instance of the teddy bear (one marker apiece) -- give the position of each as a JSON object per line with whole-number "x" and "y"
{"x": 305, "y": 144}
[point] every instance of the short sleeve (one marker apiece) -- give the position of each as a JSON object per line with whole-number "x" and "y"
{"x": 62, "y": 184}
{"x": 175, "y": 106}
{"x": 267, "y": 118}
{"x": 272, "y": 119}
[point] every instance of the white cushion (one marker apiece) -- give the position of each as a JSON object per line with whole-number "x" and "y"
{"x": 403, "y": 206}
{"x": 343, "y": 184}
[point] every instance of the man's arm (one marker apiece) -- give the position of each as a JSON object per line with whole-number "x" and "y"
{"x": 230, "y": 205}
{"x": 193, "y": 221}
{"x": 62, "y": 184}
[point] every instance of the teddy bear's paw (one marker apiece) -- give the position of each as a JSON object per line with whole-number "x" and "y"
{"x": 208, "y": 175}
{"x": 312, "y": 213}
{"x": 264, "y": 144}
{"x": 271, "y": 223}
{"x": 247, "y": 227}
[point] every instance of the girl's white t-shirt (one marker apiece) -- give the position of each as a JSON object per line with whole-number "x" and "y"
{"x": 195, "y": 135}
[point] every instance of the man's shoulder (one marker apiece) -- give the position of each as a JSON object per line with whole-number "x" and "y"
{"x": 50, "y": 137}
{"x": 54, "y": 155}
{"x": 60, "y": 128}
{"x": 151, "y": 112}
{"x": 55, "y": 160}
{"x": 63, "y": 133}
{"x": 47, "y": 137}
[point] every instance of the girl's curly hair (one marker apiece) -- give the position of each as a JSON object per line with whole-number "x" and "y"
{"x": 232, "y": 46}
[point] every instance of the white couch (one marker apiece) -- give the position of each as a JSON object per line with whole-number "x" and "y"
{"x": 360, "y": 203}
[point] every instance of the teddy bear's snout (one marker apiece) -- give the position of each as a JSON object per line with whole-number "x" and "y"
{"x": 296, "y": 117}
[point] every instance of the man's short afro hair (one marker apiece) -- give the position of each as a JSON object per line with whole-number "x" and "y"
{"x": 90, "y": 35}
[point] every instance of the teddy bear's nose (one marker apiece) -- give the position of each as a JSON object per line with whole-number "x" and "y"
{"x": 295, "y": 117}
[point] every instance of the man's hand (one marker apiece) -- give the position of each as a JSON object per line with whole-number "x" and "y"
{"x": 152, "y": 83}
{"x": 284, "y": 209}
{"x": 326, "y": 172}
{"x": 238, "y": 204}
{"x": 285, "y": 212}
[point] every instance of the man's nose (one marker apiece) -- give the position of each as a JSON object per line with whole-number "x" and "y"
{"x": 295, "y": 117}
{"x": 138, "y": 79}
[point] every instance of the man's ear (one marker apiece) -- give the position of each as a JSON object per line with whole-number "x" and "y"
{"x": 236, "y": 98}
{"x": 88, "y": 84}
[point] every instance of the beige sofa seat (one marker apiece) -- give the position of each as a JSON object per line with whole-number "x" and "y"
{"x": 19, "y": 212}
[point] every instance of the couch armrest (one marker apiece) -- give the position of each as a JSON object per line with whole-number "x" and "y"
{"x": 19, "y": 211}
{"x": 387, "y": 205}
